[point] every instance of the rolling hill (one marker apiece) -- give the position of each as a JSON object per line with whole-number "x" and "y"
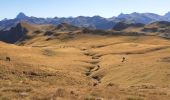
{"x": 67, "y": 62}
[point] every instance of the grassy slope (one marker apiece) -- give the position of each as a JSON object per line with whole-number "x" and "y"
{"x": 68, "y": 68}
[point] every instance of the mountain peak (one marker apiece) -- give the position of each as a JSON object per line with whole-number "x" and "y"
{"x": 21, "y": 15}
{"x": 167, "y": 14}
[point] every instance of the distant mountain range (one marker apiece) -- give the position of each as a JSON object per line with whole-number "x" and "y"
{"x": 23, "y": 31}
{"x": 95, "y": 22}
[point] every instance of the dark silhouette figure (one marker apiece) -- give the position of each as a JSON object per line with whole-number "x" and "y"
{"x": 8, "y": 59}
{"x": 123, "y": 59}
{"x": 95, "y": 84}
{"x": 98, "y": 67}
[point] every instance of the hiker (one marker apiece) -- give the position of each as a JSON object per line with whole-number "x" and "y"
{"x": 8, "y": 59}
{"x": 123, "y": 59}
{"x": 98, "y": 67}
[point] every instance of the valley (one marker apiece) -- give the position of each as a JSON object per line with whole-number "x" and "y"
{"x": 85, "y": 50}
{"x": 86, "y": 67}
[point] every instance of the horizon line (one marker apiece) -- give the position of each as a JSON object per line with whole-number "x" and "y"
{"x": 45, "y": 17}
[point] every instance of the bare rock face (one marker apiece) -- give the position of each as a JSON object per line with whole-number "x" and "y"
{"x": 14, "y": 34}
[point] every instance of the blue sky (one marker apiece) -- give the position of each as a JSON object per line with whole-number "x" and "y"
{"x": 66, "y": 8}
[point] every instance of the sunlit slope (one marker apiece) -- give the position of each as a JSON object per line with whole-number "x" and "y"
{"x": 86, "y": 64}
{"x": 56, "y": 64}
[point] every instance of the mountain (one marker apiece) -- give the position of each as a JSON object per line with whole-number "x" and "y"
{"x": 24, "y": 31}
{"x": 144, "y": 18}
{"x": 14, "y": 34}
{"x": 161, "y": 28}
{"x": 21, "y": 16}
{"x": 167, "y": 15}
{"x": 95, "y": 22}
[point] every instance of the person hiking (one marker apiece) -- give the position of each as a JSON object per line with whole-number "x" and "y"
{"x": 123, "y": 59}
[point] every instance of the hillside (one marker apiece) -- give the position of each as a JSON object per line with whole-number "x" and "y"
{"x": 24, "y": 33}
{"x": 65, "y": 62}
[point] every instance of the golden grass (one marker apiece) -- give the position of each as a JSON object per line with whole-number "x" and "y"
{"x": 68, "y": 69}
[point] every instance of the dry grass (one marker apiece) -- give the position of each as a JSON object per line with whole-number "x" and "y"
{"x": 66, "y": 69}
